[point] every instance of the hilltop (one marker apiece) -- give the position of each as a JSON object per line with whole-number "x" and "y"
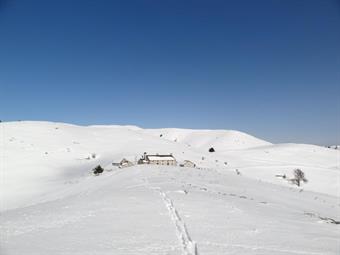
{"x": 234, "y": 201}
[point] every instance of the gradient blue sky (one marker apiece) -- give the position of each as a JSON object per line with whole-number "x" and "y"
{"x": 269, "y": 68}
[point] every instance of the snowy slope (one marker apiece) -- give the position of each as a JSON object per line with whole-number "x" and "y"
{"x": 173, "y": 211}
{"x": 37, "y": 153}
{"x": 52, "y": 204}
{"x": 220, "y": 140}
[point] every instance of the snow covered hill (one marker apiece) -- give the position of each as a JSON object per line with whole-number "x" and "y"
{"x": 51, "y": 203}
{"x": 220, "y": 140}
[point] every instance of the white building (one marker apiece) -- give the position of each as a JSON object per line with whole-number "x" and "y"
{"x": 167, "y": 160}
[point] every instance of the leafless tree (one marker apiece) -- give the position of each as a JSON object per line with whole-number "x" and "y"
{"x": 298, "y": 177}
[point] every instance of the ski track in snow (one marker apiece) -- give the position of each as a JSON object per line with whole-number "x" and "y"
{"x": 189, "y": 246}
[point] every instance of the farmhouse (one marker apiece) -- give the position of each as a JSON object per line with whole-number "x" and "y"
{"x": 158, "y": 159}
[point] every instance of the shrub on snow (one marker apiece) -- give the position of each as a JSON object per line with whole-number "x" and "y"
{"x": 211, "y": 149}
{"x": 98, "y": 170}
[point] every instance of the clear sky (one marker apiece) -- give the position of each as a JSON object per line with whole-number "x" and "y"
{"x": 268, "y": 68}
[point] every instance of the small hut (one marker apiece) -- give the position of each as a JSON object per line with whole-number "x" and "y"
{"x": 188, "y": 163}
{"x": 125, "y": 163}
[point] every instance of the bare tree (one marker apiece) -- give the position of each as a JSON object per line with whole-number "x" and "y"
{"x": 298, "y": 177}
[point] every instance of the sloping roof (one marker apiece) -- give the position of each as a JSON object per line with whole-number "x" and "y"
{"x": 160, "y": 157}
{"x": 124, "y": 160}
{"x": 188, "y": 162}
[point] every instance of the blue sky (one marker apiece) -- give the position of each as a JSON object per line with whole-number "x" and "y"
{"x": 269, "y": 68}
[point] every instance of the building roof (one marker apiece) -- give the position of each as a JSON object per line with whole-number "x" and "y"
{"x": 124, "y": 160}
{"x": 160, "y": 157}
{"x": 188, "y": 161}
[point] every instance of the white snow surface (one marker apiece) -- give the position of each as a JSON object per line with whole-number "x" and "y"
{"x": 51, "y": 203}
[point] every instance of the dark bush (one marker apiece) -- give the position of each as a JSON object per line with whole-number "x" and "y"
{"x": 98, "y": 170}
{"x": 211, "y": 149}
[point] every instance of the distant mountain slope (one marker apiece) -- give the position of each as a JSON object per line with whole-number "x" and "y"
{"x": 220, "y": 140}
{"x": 335, "y": 147}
